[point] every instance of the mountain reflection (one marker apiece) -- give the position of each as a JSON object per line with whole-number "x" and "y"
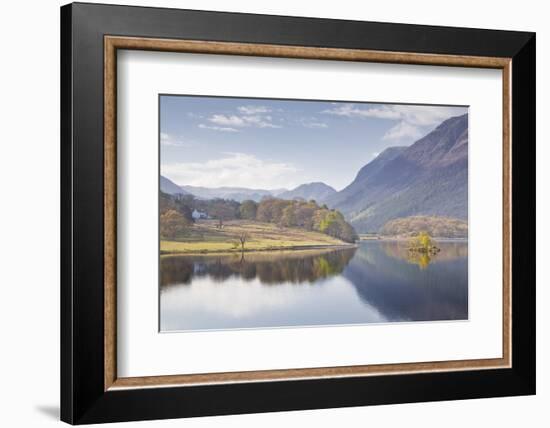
{"x": 271, "y": 268}
{"x": 376, "y": 282}
{"x": 385, "y": 278}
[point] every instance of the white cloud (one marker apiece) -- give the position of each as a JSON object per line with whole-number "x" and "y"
{"x": 402, "y": 130}
{"x": 256, "y": 121}
{"x": 218, "y": 128}
{"x": 375, "y": 154}
{"x": 413, "y": 119}
{"x": 221, "y": 119}
{"x": 311, "y": 122}
{"x": 253, "y": 109}
{"x": 427, "y": 115}
{"x": 351, "y": 110}
{"x": 315, "y": 125}
{"x": 412, "y": 114}
{"x": 235, "y": 169}
{"x": 173, "y": 141}
{"x": 260, "y": 121}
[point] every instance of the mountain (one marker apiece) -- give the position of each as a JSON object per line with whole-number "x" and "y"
{"x": 317, "y": 191}
{"x": 430, "y": 177}
{"x": 235, "y": 193}
{"x": 351, "y": 198}
{"x": 168, "y": 186}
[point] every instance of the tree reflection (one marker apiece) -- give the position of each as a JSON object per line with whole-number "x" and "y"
{"x": 271, "y": 268}
{"x": 449, "y": 251}
{"x": 422, "y": 260}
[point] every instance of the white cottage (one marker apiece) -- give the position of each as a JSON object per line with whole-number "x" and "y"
{"x": 199, "y": 214}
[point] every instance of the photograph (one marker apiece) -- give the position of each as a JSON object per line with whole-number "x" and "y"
{"x": 300, "y": 213}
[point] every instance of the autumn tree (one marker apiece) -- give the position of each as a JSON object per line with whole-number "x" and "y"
{"x": 271, "y": 210}
{"x": 288, "y": 216}
{"x": 303, "y": 215}
{"x": 173, "y": 224}
{"x": 222, "y": 210}
{"x": 425, "y": 240}
{"x": 248, "y": 210}
{"x": 166, "y": 202}
{"x": 185, "y": 204}
{"x": 332, "y": 222}
{"x": 306, "y": 215}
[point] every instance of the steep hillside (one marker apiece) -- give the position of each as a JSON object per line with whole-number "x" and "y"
{"x": 430, "y": 177}
{"x": 168, "y": 186}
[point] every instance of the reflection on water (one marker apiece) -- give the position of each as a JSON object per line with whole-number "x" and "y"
{"x": 400, "y": 250}
{"x": 270, "y": 268}
{"x": 380, "y": 281}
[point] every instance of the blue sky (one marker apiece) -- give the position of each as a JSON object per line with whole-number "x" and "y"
{"x": 272, "y": 144}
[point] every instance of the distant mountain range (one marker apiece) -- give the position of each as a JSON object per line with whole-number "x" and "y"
{"x": 235, "y": 193}
{"x": 430, "y": 177}
{"x": 317, "y": 191}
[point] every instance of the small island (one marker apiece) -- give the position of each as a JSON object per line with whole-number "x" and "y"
{"x": 423, "y": 243}
{"x": 415, "y": 238}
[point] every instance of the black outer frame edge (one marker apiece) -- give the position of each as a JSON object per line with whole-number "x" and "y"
{"x": 524, "y": 213}
{"x": 83, "y": 398}
{"x": 66, "y": 305}
{"x": 300, "y": 31}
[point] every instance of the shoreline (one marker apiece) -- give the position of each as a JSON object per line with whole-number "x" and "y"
{"x": 407, "y": 238}
{"x": 296, "y": 248}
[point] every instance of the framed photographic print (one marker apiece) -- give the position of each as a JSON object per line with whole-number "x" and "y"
{"x": 321, "y": 242}
{"x": 265, "y": 213}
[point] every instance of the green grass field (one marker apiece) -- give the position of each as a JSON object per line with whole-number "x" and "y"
{"x": 206, "y": 237}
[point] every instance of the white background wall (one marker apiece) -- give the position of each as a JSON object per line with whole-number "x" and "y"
{"x": 29, "y": 215}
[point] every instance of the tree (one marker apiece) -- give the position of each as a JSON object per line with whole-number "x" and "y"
{"x": 185, "y": 205}
{"x": 222, "y": 210}
{"x": 172, "y": 224}
{"x": 288, "y": 217}
{"x": 303, "y": 215}
{"x": 185, "y": 210}
{"x": 243, "y": 237}
{"x": 309, "y": 216}
{"x": 425, "y": 240}
{"x": 166, "y": 203}
{"x": 248, "y": 210}
{"x": 423, "y": 243}
{"x": 332, "y": 223}
{"x": 271, "y": 210}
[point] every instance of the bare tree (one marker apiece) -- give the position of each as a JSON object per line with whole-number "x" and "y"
{"x": 243, "y": 237}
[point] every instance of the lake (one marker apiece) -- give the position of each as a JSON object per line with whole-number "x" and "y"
{"x": 376, "y": 282}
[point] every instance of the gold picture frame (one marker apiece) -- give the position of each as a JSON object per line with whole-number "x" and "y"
{"x": 114, "y": 43}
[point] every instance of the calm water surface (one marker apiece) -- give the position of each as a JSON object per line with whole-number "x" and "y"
{"x": 380, "y": 281}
